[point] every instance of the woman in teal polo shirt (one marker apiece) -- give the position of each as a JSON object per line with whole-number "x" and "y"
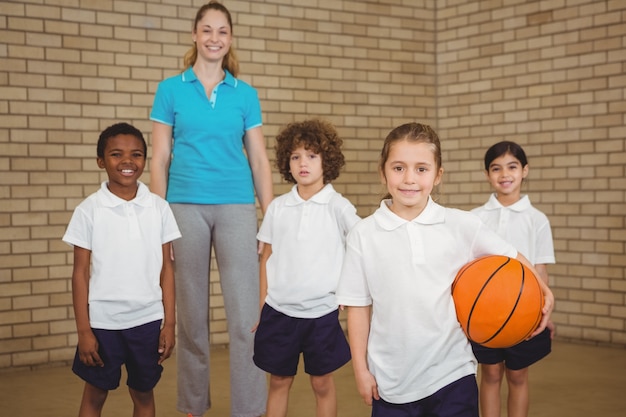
{"x": 203, "y": 121}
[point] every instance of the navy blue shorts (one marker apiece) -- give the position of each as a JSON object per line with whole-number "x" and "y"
{"x": 519, "y": 356}
{"x": 458, "y": 399}
{"x": 136, "y": 347}
{"x": 280, "y": 339}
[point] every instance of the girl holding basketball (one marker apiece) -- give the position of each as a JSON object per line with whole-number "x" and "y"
{"x": 511, "y": 215}
{"x": 409, "y": 354}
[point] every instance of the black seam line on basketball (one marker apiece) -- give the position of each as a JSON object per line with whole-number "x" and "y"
{"x": 519, "y": 296}
{"x": 469, "y": 316}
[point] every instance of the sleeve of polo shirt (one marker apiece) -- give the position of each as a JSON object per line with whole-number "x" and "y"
{"x": 488, "y": 242}
{"x": 170, "y": 227}
{"x": 253, "y": 117}
{"x": 544, "y": 245}
{"x": 348, "y": 216}
{"x": 353, "y": 289}
{"x": 163, "y": 105}
{"x": 79, "y": 230}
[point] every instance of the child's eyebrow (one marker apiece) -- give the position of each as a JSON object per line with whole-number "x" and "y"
{"x": 408, "y": 163}
{"x": 120, "y": 150}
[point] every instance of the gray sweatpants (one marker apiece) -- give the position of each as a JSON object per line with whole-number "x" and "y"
{"x": 231, "y": 230}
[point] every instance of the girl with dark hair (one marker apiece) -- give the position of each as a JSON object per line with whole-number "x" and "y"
{"x": 511, "y": 215}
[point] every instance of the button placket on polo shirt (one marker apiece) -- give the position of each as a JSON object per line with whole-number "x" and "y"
{"x": 133, "y": 221}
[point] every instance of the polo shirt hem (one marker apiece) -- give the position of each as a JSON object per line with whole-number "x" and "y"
{"x": 126, "y": 325}
{"x": 466, "y": 370}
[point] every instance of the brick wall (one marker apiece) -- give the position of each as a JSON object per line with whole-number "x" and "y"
{"x": 548, "y": 74}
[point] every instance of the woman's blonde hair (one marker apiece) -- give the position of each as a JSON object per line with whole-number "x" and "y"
{"x": 230, "y": 62}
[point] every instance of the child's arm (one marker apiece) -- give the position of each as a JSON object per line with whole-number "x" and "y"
{"x": 548, "y": 297}
{"x": 87, "y": 342}
{"x": 267, "y": 251}
{"x": 542, "y": 269}
{"x": 168, "y": 329}
{"x": 358, "y": 334}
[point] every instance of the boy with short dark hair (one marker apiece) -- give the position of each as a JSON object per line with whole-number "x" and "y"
{"x": 123, "y": 279}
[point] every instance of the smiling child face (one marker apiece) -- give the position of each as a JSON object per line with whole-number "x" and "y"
{"x": 124, "y": 161}
{"x": 410, "y": 174}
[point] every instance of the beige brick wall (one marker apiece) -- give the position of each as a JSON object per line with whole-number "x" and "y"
{"x": 548, "y": 74}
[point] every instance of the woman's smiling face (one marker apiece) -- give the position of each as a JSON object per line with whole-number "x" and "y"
{"x": 213, "y": 36}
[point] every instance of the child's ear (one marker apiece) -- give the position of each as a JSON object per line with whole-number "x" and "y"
{"x": 525, "y": 172}
{"x": 439, "y": 176}
{"x": 100, "y": 162}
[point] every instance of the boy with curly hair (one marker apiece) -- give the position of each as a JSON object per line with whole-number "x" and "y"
{"x": 304, "y": 233}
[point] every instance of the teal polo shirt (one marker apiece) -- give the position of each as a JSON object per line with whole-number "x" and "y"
{"x": 208, "y": 164}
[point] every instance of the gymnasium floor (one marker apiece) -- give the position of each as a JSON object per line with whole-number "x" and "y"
{"x": 574, "y": 381}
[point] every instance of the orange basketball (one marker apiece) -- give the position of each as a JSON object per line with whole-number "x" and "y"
{"x": 498, "y": 301}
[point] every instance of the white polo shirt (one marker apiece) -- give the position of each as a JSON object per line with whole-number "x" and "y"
{"x": 308, "y": 246}
{"x": 126, "y": 242}
{"x": 405, "y": 269}
{"x": 521, "y": 224}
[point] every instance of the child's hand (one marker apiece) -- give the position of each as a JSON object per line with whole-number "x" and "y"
{"x": 166, "y": 343}
{"x": 367, "y": 386}
{"x": 253, "y": 329}
{"x": 548, "y": 306}
{"x": 88, "y": 349}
